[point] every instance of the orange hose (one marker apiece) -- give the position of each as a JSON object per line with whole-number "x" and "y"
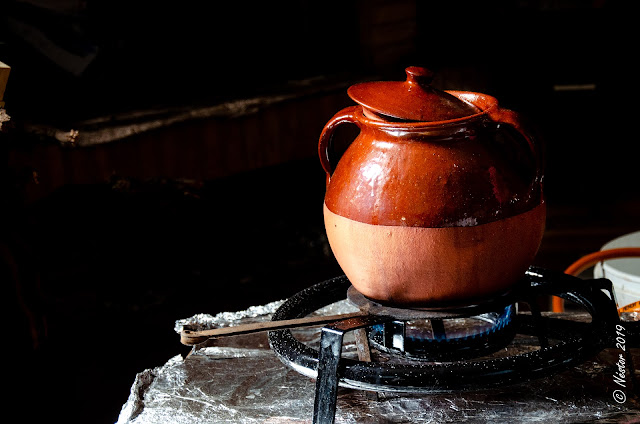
{"x": 557, "y": 304}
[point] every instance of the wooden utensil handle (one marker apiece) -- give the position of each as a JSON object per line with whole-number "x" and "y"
{"x": 189, "y": 337}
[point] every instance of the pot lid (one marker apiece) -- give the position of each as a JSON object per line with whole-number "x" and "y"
{"x": 411, "y": 100}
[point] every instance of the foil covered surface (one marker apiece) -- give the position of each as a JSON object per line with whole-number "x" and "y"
{"x": 240, "y": 380}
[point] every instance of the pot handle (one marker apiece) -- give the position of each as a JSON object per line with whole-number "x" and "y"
{"x": 325, "y": 144}
{"x": 511, "y": 118}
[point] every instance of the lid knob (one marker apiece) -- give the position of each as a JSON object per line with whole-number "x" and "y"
{"x": 418, "y": 75}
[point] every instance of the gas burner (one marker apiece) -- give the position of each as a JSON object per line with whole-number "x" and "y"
{"x": 439, "y": 333}
{"x": 438, "y": 339}
{"x": 442, "y": 349}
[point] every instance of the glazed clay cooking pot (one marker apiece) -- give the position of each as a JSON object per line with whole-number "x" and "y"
{"x": 439, "y": 198}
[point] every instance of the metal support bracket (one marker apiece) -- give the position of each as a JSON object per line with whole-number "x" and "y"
{"x": 331, "y": 340}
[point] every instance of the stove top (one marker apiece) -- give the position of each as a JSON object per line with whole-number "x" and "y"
{"x": 502, "y": 361}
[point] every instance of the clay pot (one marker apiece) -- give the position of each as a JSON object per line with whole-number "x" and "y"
{"x": 439, "y": 198}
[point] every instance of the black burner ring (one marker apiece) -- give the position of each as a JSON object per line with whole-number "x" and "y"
{"x": 576, "y": 341}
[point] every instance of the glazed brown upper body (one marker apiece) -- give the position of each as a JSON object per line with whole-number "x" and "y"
{"x": 459, "y": 173}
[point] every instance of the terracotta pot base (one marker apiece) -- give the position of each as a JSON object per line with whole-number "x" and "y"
{"x": 425, "y": 266}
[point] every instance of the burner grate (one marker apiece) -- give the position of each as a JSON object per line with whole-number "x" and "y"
{"x": 460, "y": 363}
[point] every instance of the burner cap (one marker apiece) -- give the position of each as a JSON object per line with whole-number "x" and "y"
{"x": 437, "y": 311}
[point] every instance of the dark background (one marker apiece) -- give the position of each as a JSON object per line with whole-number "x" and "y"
{"x": 105, "y": 245}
